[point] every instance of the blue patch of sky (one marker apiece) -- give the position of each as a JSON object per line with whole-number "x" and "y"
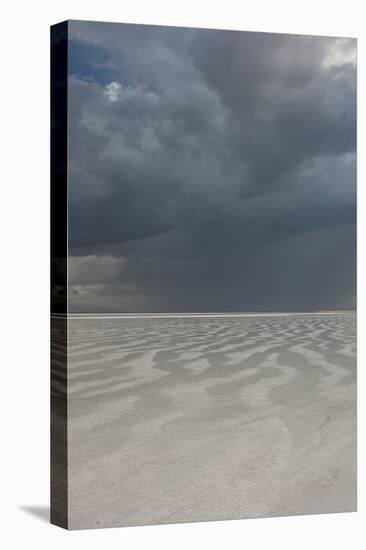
{"x": 93, "y": 64}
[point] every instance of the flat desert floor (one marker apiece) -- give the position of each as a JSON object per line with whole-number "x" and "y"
{"x": 178, "y": 419}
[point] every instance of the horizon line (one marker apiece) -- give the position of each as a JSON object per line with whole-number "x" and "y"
{"x": 120, "y": 315}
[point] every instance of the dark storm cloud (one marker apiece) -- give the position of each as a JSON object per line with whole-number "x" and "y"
{"x": 215, "y": 170}
{"x": 288, "y": 108}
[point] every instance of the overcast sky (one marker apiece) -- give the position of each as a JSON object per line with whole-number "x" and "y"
{"x": 210, "y": 170}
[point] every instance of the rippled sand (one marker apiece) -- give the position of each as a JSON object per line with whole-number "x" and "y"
{"x": 193, "y": 419}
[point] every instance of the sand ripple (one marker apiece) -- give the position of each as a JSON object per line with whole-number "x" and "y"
{"x": 186, "y": 419}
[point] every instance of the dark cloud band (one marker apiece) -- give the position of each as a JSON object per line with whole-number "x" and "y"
{"x": 213, "y": 170}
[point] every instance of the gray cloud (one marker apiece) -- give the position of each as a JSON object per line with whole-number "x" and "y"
{"x": 210, "y": 170}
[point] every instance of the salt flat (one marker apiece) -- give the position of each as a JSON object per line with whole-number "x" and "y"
{"x": 175, "y": 419}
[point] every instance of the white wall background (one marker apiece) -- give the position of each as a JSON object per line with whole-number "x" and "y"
{"x": 24, "y": 219}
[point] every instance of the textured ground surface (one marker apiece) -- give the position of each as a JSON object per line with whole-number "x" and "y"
{"x": 189, "y": 419}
